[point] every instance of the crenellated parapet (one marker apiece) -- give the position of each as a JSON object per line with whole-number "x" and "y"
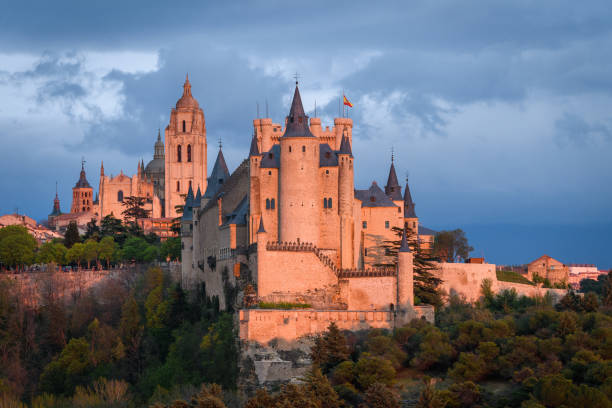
{"x": 367, "y": 273}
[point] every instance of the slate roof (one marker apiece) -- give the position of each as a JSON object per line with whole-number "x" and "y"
{"x": 297, "y": 121}
{"x": 393, "y": 189}
{"x": 327, "y": 157}
{"x": 374, "y": 197}
{"x": 82, "y": 183}
{"x": 405, "y": 247}
{"x": 345, "y": 146}
{"x": 426, "y": 231}
{"x": 188, "y": 207}
{"x": 254, "y": 151}
{"x": 271, "y": 159}
{"x": 230, "y": 184}
{"x": 408, "y": 203}
{"x": 239, "y": 215}
{"x": 218, "y": 176}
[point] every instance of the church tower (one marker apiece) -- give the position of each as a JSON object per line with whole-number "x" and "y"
{"x": 82, "y": 193}
{"x": 185, "y": 151}
{"x": 299, "y": 188}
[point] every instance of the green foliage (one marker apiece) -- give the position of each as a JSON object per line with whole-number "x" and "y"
{"x": 76, "y": 254}
{"x": 134, "y": 208}
{"x": 283, "y": 305}
{"x": 17, "y": 246}
{"x": 69, "y": 370}
{"x": 511, "y": 276}
{"x": 449, "y": 245}
{"x": 51, "y": 252}
{"x": 171, "y": 249}
{"x": 371, "y": 369}
{"x": 329, "y": 349}
{"x": 71, "y": 236}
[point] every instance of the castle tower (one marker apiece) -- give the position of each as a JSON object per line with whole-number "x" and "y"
{"x": 185, "y": 151}
{"x": 346, "y": 197}
{"x": 187, "y": 237}
{"x": 411, "y": 221}
{"x": 393, "y": 189}
{"x": 405, "y": 274}
{"x": 299, "y": 199}
{"x": 254, "y": 192}
{"x": 82, "y": 193}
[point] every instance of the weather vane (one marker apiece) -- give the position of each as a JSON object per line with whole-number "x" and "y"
{"x": 220, "y": 143}
{"x": 392, "y": 154}
{"x": 83, "y": 162}
{"x": 297, "y": 77}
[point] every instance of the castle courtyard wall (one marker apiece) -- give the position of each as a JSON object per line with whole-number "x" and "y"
{"x": 371, "y": 293}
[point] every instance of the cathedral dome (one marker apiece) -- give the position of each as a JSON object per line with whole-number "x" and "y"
{"x": 187, "y": 100}
{"x": 155, "y": 166}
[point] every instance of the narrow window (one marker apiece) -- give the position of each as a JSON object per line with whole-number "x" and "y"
{"x": 303, "y": 148}
{"x": 272, "y": 204}
{"x": 326, "y": 171}
{"x": 267, "y": 203}
{"x": 364, "y": 225}
{"x": 178, "y": 186}
{"x": 325, "y": 203}
{"x": 188, "y": 153}
{"x": 184, "y": 127}
{"x": 329, "y": 202}
{"x": 289, "y": 149}
{"x": 413, "y": 224}
{"x": 365, "y": 252}
{"x": 189, "y": 183}
{"x": 83, "y": 209}
{"x": 399, "y": 209}
{"x": 178, "y": 153}
{"x": 387, "y": 224}
{"x": 120, "y": 196}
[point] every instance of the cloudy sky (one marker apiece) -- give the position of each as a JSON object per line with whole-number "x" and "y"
{"x": 500, "y": 112}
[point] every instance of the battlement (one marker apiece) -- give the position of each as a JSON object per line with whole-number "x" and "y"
{"x": 304, "y": 247}
{"x": 367, "y": 273}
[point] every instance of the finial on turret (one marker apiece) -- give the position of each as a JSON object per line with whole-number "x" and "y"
{"x": 220, "y": 143}
{"x": 158, "y": 134}
{"x": 392, "y": 155}
{"x": 56, "y": 189}
{"x": 82, "y": 162}
{"x": 296, "y": 76}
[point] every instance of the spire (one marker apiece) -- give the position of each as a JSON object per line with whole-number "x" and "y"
{"x": 218, "y": 176}
{"x": 158, "y": 135}
{"x": 56, "y": 204}
{"x": 187, "y": 86}
{"x": 261, "y": 226}
{"x": 254, "y": 149}
{"x": 345, "y": 146}
{"x": 393, "y": 189}
{"x": 82, "y": 183}
{"x": 187, "y": 100}
{"x": 198, "y": 198}
{"x": 405, "y": 247}
{"x": 408, "y": 203}
{"x": 159, "y": 147}
{"x": 297, "y": 121}
{"x": 102, "y": 168}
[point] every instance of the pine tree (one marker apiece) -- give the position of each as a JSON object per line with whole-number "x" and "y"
{"x": 330, "y": 349}
{"x": 425, "y": 282}
{"x": 71, "y": 236}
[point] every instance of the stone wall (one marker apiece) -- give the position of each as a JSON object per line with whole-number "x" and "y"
{"x": 265, "y": 325}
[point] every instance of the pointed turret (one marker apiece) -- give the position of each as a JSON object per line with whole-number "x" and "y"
{"x": 405, "y": 247}
{"x": 261, "y": 226}
{"x": 56, "y": 204}
{"x": 408, "y": 203}
{"x": 254, "y": 149}
{"x": 188, "y": 207}
{"x": 345, "y": 146}
{"x": 198, "y": 199}
{"x": 297, "y": 121}
{"x": 102, "y": 169}
{"x": 159, "y": 147}
{"x": 218, "y": 176}
{"x": 393, "y": 189}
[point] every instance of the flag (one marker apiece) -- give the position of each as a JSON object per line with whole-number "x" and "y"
{"x": 347, "y": 102}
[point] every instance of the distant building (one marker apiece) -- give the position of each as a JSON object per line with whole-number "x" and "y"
{"x": 578, "y": 272}
{"x": 39, "y": 232}
{"x": 548, "y": 268}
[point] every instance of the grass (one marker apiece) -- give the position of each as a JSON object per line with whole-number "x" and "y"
{"x": 510, "y": 276}
{"x": 283, "y": 305}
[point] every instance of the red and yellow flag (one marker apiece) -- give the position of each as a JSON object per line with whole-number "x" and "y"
{"x": 347, "y": 102}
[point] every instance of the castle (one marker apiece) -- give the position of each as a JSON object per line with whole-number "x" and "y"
{"x": 178, "y": 165}
{"x": 289, "y": 227}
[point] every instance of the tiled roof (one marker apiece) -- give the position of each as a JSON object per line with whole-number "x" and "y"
{"x": 408, "y": 203}
{"x": 327, "y": 157}
{"x": 239, "y": 215}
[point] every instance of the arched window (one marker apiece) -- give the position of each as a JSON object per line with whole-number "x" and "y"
{"x": 188, "y": 153}
{"x": 190, "y": 184}
{"x": 303, "y": 148}
{"x": 329, "y": 202}
{"x": 120, "y": 196}
{"x": 325, "y": 203}
{"x": 289, "y": 149}
{"x": 267, "y": 203}
{"x": 272, "y": 204}
{"x": 178, "y": 153}
{"x": 184, "y": 127}
{"x": 178, "y": 186}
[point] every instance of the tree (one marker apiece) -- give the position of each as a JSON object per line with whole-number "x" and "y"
{"x": 329, "y": 349}
{"x": 93, "y": 230}
{"x": 136, "y": 249}
{"x": 607, "y": 290}
{"x": 107, "y": 249}
{"x": 380, "y": 396}
{"x": 17, "y": 246}
{"x": 449, "y": 245}
{"x": 71, "y": 236}
{"x": 75, "y": 254}
{"x": 371, "y": 369}
{"x": 51, "y": 252}
{"x": 113, "y": 227}
{"x": 90, "y": 251}
{"x": 134, "y": 208}
{"x": 171, "y": 249}
{"x": 425, "y": 282}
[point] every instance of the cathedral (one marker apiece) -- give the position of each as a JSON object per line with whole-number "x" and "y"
{"x": 178, "y": 164}
{"x": 288, "y": 227}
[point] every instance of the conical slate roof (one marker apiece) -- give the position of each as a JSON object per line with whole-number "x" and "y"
{"x": 198, "y": 198}
{"x": 261, "y": 226}
{"x": 408, "y": 203}
{"x": 405, "y": 247}
{"x": 218, "y": 176}
{"x": 187, "y": 208}
{"x": 393, "y": 189}
{"x": 297, "y": 121}
{"x": 254, "y": 149}
{"x": 345, "y": 146}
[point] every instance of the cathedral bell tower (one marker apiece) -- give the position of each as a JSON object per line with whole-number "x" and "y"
{"x": 185, "y": 151}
